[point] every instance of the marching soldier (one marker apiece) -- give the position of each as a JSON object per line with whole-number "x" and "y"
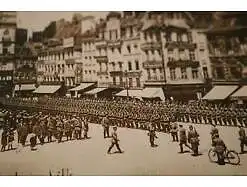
{"x": 193, "y": 139}
{"x": 242, "y": 138}
{"x": 115, "y": 141}
{"x": 182, "y": 138}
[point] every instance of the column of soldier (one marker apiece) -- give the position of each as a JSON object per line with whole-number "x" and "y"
{"x": 131, "y": 114}
{"x": 42, "y": 127}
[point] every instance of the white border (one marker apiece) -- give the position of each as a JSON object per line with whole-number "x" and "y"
{"x": 109, "y": 5}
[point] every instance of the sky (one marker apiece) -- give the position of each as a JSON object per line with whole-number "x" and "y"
{"x": 37, "y": 21}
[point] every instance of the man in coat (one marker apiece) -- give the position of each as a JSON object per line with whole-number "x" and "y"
{"x": 182, "y": 138}
{"x": 242, "y": 138}
{"x": 105, "y": 124}
{"x": 193, "y": 139}
{"x": 114, "y": 141}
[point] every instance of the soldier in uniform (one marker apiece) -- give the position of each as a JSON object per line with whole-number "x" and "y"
{"x": 214, "y": 132}
{"x": 242, "y": 138}
{"x": 182, "y": 138}
{"x": 220, "y": 148}
{"x": 152, "y": 135}
{"x": 193, "y": 139}
{"x": 85, "y": 129}
{"x": 4, "y": 140}
{"x": 115, "y": 141}
{"x": 50, "y": 129}
{"x": 105, "y": 124}
{"x": 174, "y": 131}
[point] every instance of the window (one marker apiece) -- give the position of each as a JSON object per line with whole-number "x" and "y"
{"x": 120, "y": 66}
{"x": 149, "y": 74}
{"x": 137, "y": 65}
{"x": 129, "y": 49}
{"x": 130, "y": 66}
{"x": 145, "y": 35}
{"x": 181, "y": 54}
{"x": 190, "y": 39}
{"x": 89, "y": 72}
{"x": 194, "y": 73}
{"x": 179, "y": 37}
{"x": 183, "y": 73}
{"x": 85, "y": 71}
{"x": 235, "y": 73}
{"x": 121, "y": 80}
{"x": 131, "y": 31}
{"x": 220, "y": 73}
{"x": 173, "y": 73}
{"x": 130, "y": 82}
{"x": 119, "y": 50}
{"x": 112, "y": 50}
{"x": 90, "y": 57}
{"x": 192, "y": 55}
{"x": 5, "y": 51}
{"x": 135, "y": 46}
{"x": 113, "y": 66}
{"x": 114, "y": 80}
{"x": 138, "y": 82}
{"x": 174, "y": 37}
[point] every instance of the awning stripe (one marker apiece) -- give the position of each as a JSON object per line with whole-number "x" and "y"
{"x": 47, "y": 89}
{"x": 95, "y": 91}
{"x": 220, "y": 92}
{"x": 131, "y": 93}
{"x": 82, "y": 86}
{"x": 25, "y": 87}
{"x": 242, "y": 92}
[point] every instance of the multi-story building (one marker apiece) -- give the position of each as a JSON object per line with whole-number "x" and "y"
{"x": 174, "y": 54}
{"x": 7, "y": 51}
{"x": 228, "y": 48}
{"x": 89, "y": 64}
{"x": 58, "y": 63}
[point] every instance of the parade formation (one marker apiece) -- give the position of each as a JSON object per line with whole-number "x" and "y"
{"x": 65, "y": 119}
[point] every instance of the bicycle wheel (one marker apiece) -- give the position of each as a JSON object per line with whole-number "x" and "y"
{"x": 232, "y": 157}
{"x": 212, "y": 155}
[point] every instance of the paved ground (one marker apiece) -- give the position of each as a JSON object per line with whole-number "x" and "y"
{"x": 88, "y": 157}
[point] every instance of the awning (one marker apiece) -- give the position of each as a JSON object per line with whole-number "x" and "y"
{"x": 242, "y": 92}
{"x": 220, "y": 92}
{"x": 47, "y": 89}
{"x": 82, "y": 86}
{"x": 25, "y": 87}
{"x": 153, "y": 93}
{"x": 95, "y": 91}
{"x": 131, "y": 93}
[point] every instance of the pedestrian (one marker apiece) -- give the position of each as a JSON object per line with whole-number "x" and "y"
{"x": 114, "y": 141}
{"x": 85, "y": 129}
{"x": 193, "y": 139}
{"x": 33, "y": 142}
{"x": 182, "y": 138}
{"x": 242, "y": 138}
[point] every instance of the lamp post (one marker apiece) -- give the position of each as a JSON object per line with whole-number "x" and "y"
{"x": 127, "y": 85}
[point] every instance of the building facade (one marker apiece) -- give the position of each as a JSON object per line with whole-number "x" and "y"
{"x": 7, "y": 51}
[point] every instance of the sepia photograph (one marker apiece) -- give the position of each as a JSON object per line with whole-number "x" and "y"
{"x": 123, "y": 93}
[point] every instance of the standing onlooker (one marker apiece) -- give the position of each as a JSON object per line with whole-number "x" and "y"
{"x": 242, "y": 138}
{"x": 4, "y": 140}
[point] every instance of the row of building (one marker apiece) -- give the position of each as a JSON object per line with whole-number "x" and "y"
{"x": 183, "y": 53}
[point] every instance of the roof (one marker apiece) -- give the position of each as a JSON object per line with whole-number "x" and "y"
{"x": 82, "y": 86}
{"x": 95, "y": 91}
{"x": 153, "y": 93}
{"x": 131, "y": 93}
{"x": 220, "y": 92}
{"x": 242, "y": 92}
{"x": 25, "y": 87}
{"x": 47, "y": 89}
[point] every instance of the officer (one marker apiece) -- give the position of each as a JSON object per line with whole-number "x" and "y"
{"x": 152, "y": 135}
{"x": 85, "y": 129}
{"x": 174, "y": 131}
{"x": 105, "y": 124}
{"x": 182, "y": 138}
{"x": 193, "y": 139}
{"x": 115, "y": 141}
{"x": 220, "y": 148}
{"x": 242, "y": 138}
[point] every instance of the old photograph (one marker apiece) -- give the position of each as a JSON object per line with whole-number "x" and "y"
{"x": 123, "y": 93}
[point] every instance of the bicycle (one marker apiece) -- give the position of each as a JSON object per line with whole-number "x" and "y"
{"x": 231, "y": 156}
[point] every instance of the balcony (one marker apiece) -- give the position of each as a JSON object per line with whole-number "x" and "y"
{"x": 116, "y": 73}
{"x": 180, "y": 45}
{"x": 151, "y": 46}
{"x": 100, "y": 43}
{"x": 116, "y": 43}
{"x": 101, "y": 59}
{"x": 152, "y": 64}
{"x": 155, "y": 79}
{"x": 102, "y": 73}
{"x": 133, "y": 74}
{"x": 183, "y": 63}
